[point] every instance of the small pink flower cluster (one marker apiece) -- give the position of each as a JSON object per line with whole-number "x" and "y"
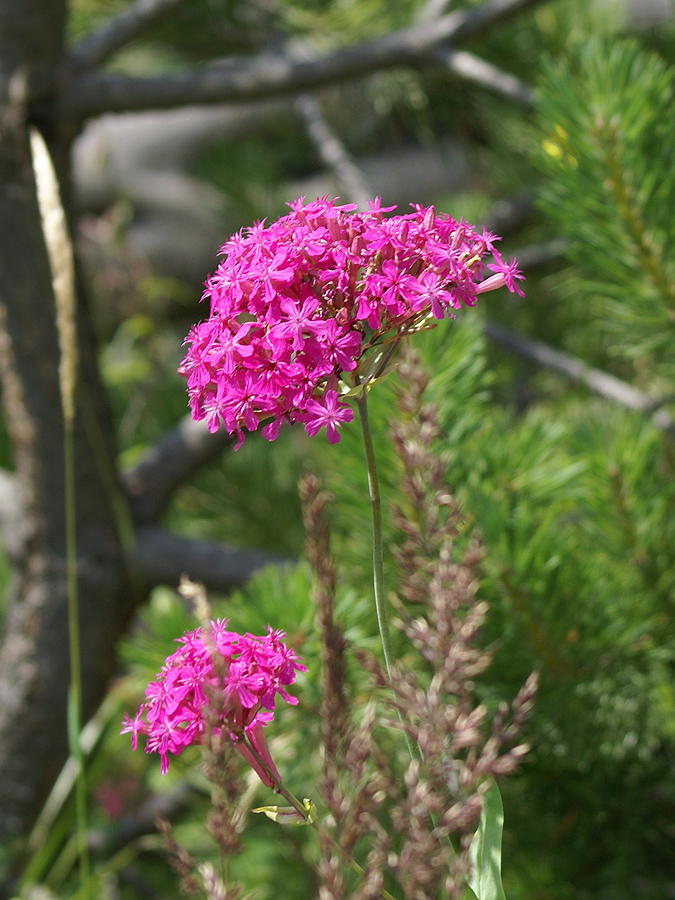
{"x": 218, "y": 681}
{"x": 296, "y": 304}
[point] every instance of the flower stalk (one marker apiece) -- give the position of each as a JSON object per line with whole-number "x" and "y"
{"x": 376, "y": 521}
{"x": 60, "y": 254}
{"x": 378, "y": 555}
{"x": 306, "y": 810}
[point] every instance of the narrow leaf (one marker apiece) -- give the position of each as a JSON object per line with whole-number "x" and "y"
{"x": 289, "y": 815}
{"x": 486, "y": 849}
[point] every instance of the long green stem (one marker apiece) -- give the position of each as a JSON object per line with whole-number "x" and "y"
{"x": 378, "y": 564}
{"x": 75, "y": 692}
{"x": 278, "y": 788}
{"x": 378, "y": 557}
{"x": 376, "y": 517}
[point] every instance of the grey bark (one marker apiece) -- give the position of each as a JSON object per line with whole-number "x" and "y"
{"x": 34, "y": 661}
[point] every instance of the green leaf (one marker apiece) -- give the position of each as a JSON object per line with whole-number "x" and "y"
{"x": 486, "y": 849}
{"x": 73, "y": 719}
{"x": 288, "y": 815}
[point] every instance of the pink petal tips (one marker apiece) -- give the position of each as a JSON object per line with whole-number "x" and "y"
{"x": 218, "y": 681}
{"x": 296, "y": 305}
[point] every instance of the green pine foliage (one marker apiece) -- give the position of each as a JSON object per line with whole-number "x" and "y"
{"x": 607, "y": 148}
{"x": 600, "y": 784}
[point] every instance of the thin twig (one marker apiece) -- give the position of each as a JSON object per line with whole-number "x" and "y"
{"x": 98, "y": 46}
{"x": 92, "y": 93}
{"x": 479, "y": 71}
{"x": 333, "y": 152}
{"x": 536, "y": 255}
{"x": 432, "y": 10}
{"x": 576, "y": 370}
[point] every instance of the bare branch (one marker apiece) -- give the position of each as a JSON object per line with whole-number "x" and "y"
{"x": 333, "y": 152}
{"x": 91, "y": 94}
{"x": 432, "y": 10}
{"x": 536, "y": 255}
{"x": 473, "y": 68}
{"x": 164, "y": 557}
{"x": 169, "y": 464}
{"x": 98, "y": 46}
{"x": 597, "y": 381}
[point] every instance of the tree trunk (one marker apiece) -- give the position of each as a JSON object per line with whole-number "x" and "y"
{"x": 34, "y": 664}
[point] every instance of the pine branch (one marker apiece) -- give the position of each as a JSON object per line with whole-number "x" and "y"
{"x": 98, "y": 46}
{"x": 92, "y": 94}
{"x": 162, "y": 558}
{"x": 597, "y": 381}
{"x": 610, "y": 188}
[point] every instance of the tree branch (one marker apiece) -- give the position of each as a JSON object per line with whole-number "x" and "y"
{"x": 595, "y": 380}
{"x": 163, "y": 558}
{"x": 169, "y": 464}
{"x": 536, "y": 255}
{"x": 92, "y": 94}
{"x": 98, "y": 46}
{"x": 479, "y": 71}
{"x": 333, "y": 152}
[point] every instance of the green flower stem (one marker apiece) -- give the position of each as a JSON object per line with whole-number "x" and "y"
{"x": 75, "y": 691}
{"x": 378, "y": 567}
{"x": 278, "y": 788}
{"x": 376, "y": 516}
{"x": 378, "y": 557}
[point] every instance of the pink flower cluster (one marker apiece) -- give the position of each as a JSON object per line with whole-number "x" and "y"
{"x": 217, "y": 681}
{"x": 295, "y": 305}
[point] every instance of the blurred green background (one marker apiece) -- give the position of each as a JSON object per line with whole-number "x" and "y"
{"x": 573, "y": 494}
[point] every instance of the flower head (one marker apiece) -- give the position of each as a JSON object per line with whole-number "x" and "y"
{"x": 296, "y": 305}
{"x": 217, "y": 682}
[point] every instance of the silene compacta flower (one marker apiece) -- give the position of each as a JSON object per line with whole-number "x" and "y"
{"x": 218, "y": 683}
{"x": 306, "y": 309}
